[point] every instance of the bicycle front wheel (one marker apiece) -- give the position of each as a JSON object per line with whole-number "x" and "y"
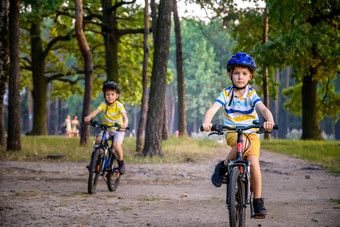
{"x": 96, "y": 163}
{"x": 236, "y": 199}
{"x": 113, "y": 175}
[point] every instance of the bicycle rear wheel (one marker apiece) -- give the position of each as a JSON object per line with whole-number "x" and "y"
{"x": 236, "y": 199}
{"x": 96, "y": 163}
{"x": 113, "y": 175}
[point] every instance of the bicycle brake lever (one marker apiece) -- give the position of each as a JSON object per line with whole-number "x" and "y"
{"x": 217, "y": 133}
{"x": 261, "y": 130}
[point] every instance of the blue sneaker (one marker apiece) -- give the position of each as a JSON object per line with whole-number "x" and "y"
{"x": 121, "y": 166}
{"x": 259, "y": 208}
{"x": 220, "y": 171}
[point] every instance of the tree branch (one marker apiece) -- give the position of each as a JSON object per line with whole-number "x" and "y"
{"x": 61, "y": 77}
{"x": 122, "y": 32}
{"x": 55, "y": 40}
{"x": 118, "y": 4}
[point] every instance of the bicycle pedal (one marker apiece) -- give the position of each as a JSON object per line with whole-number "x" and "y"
{"x": 259, "y": 216}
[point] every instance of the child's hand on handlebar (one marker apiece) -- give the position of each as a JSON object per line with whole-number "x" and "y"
{"x": 268, "y": 125}
{"x": 87, "y": 119}
{"x": 123, "y": 126}
{"x": 207, "y": 126}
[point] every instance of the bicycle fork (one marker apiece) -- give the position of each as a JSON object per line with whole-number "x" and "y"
{"x": 244, "y": 167}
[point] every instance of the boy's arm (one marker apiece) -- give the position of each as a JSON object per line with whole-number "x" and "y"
{"x": 91, "y": 115}
{"x": 125, "y": 121}
{"x": 269, "y": 123}
{"x": 209, "y": 116}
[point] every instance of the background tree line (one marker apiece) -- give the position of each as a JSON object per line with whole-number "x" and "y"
{"x": 297, "y": 64}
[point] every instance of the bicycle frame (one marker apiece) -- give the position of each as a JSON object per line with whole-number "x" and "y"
{"x": 243, "y": 165}
{"x": 106, "y": 156}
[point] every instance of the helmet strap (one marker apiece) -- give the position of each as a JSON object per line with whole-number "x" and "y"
{"x": 109, "y": 102}
{"x": 239, "y": 88}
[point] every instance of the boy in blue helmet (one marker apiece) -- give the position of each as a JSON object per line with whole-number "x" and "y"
{"x": 113, "y": 112}
{"x": 240, "y": 103}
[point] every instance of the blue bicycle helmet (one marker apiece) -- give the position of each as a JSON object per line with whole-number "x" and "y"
{"x": 111, "y": 85}
{"x": 243, "y": 59}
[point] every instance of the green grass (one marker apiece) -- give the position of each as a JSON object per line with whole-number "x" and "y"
{"x": 35, "y": 148}
{"x": 324, "y": 153}
{"x": 175, "y": 150}
{"x": 337, "y": 201}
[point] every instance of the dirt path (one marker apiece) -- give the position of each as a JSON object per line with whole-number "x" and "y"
{"x": 54, "y": 194}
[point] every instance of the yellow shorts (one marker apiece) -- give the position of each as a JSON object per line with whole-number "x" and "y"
{"x": 254, "y": 139}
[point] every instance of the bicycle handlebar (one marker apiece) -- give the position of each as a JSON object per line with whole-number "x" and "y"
{"x": 220, "y": 128}
{"x": 104, "y": 126}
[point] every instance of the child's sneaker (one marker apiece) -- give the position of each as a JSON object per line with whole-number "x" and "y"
{"x": 259, "y": 208}
{"x": 220, "y": 171}
{"x": 121, "y": 167}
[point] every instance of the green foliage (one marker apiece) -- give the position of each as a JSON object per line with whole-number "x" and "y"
{"x": 294, "y": 104}
{"x": 205, "y": 53}
{"x": 307, "y": 39}
{"x": 57, "y": 19}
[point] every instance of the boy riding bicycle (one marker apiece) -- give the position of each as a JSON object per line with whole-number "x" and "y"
{"x": 239, "y": 102}
{"x": 113, "y": 112}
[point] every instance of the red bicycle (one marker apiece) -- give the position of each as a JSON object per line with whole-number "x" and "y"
{"x": 238, "y": 193}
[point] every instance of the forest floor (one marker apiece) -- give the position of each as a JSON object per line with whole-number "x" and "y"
{"x": 296, "y": 193}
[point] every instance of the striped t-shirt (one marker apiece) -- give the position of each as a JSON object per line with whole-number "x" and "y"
{"x": 112, "y": 114}
{"x": 241, "y": 110}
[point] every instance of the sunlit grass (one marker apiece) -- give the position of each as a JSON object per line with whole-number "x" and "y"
{"x": 38, "y": 148}
{"x": 324, "y": 153}
{"x": 175, "y": 150}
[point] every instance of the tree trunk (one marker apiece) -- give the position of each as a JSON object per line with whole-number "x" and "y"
{"x": 265, "y": 76}
{"x": 87, "y": 55}
{"x": 165, "y": 126}
{"x": 111, "y": 39}
{"x": 277, "y": 102}
{"x": 4, "y": 64}
{"x": 48, "y": 109}
{"x": 14, "y": 110}
{"x": 39, "y": 93}
{"x": 182, "y": 122}
{"x": 56, "y": 116}
{"x": 154, "y": 20}
{"x": 144, "y": 102}
{"x": 310, "y": 121}
{"x": 153, "y": 140}
{"x": 172, "y": 108}
{"x": 286, "y": 125}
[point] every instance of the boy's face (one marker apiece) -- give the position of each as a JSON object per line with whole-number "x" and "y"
{"x": 240, "y": 76}
{"x": 111, "y": 96}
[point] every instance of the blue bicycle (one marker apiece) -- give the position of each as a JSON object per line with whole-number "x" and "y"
{"x": 104, "y": 161}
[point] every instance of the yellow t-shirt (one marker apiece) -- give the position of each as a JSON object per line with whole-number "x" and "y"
{"x": 112, "y": 114}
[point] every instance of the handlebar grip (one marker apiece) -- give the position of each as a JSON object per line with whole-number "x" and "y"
{"x": 93, "y": 122}
{"x": 276, "y": 127}
{"x": 201, "y": 128}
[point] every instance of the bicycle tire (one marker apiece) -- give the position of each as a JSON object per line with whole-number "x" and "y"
{"x": 113, "y": 175}
{"x": 96, "y": 163}
{"x": 236, "y": 199}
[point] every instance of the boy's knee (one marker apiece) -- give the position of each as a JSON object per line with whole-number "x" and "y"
{"x": 117, "y": 145}
{"x": 254, "y": 161}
